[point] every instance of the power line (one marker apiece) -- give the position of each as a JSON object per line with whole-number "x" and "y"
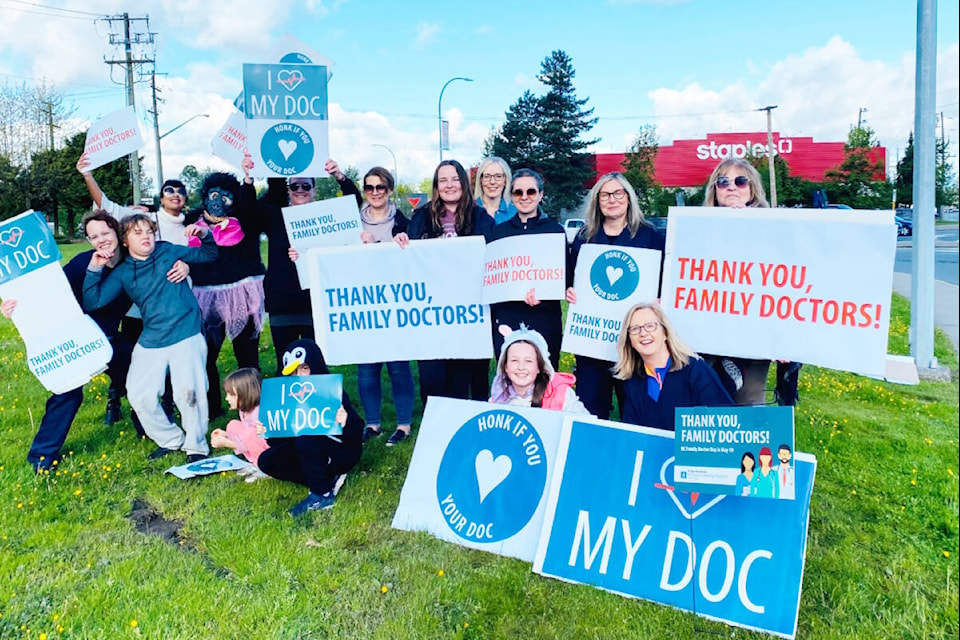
{"x": 56, "y": 9}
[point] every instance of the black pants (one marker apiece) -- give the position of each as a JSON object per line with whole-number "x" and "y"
{"x": 246, "y": 349}
{"x": 596, "y": 385}
{"x": 449, "y": 378}
{"x": 312, "y": 461}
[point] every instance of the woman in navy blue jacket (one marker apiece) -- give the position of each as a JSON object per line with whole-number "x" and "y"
{"x": 613, "y": 217}
{"x": 660, "y": 372}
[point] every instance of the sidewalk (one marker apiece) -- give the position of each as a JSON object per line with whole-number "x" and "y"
{"x": 946, "y": 304}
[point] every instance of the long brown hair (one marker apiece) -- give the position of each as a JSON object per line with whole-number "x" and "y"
{"x": 539, "y": 383}
{"x": 463, "y": 217}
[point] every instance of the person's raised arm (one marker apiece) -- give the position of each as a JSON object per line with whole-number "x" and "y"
{"x": 95, "y": 191}
{"x": 346, "y": 184}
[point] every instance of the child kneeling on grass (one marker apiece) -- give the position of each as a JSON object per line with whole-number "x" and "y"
{"x": 171, "y": 338}
{"x": 318, "y": 462}
{"x": 526, "y": 378}
{"x": 243, "y": 436}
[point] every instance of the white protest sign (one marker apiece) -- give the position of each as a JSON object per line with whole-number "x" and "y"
{"x": 324, "y": 223}
{"x": 379, "y": 303}
{"x": 230, "y": 143}
{"x": 285, "y": 106}
{"x": 112, "y": 136}
{"x": 516, "y": 264}
{"x": 479, "y": 475}
{"x": 608, "y": 281}
{"x": 65, "y": 348}
{"x": 208, "y": 466}
{"x": 806, "y": 285}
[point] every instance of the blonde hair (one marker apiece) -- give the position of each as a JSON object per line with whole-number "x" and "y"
{"x": 594, "y": 216}
{"x": 486, "y": 162}
{"x": 630, "y": 363}
{"x": 758, "y": 197}
{"x": 245, "y": 384}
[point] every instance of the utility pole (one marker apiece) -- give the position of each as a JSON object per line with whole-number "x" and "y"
{"x": 860, "y": 117}
{"x": 773, "y": 173}
{"x": 50, "y": 125}
{"x": 128, "y": 62}
{"x": 156, "y": 131}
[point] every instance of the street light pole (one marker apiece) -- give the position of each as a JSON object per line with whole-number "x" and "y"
{"x": 440, "y": 111}
{"x": 396, "y": 175}
{"x": 159, "y": 137}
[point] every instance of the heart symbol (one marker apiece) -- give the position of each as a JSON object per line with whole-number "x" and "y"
{"x": 11, "y": 237}
{"x": 491, "y": 471}
{"x": 290, "y": 79}
{"x": 287, "y": 147}
{"x": 614, "y": 274}
{"x": 676, "y": 500}
{"x": 300, "y": 391}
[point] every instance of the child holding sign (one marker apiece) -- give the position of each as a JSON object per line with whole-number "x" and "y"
{"x": 242, "y": 388}
{"x": 526, "y": 378}
{"x": 318, "y": 462}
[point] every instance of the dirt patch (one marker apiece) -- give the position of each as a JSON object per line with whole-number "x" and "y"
{"x": 149, "y": 521}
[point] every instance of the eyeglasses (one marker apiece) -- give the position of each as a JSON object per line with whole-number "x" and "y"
{"x": 301, "y": 186}
{"x": 636, "y": 329}
{"x": 618, "y": 195}
{"x": 370, "y": 188}
{"x": 101, "y": 236}
{"x": 169, "y": 191}
{"x": 492, "y": 177}
{"x": 741, "y": 181}
{"x": 518, "y": 193}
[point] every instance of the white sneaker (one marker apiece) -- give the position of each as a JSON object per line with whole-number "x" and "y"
{"x": 247, "y": 470}
{"x": 256, "y": 475}
{"x": 339, "y": 483}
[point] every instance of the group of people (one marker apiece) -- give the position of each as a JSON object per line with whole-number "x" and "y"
{"x": 168, "y": 289}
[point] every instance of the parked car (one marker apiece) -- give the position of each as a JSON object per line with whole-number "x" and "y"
{"x": 659, "y": 223}
{"x": 904, "y": 226}
{"x": 572, "y": 227}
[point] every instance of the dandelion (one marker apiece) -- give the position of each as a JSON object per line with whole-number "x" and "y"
{"x": 384, "y": 589}
{"x": 913, "y": 482}
{"x": 133, "y": 623}
{"x": 78, "y": 492}
{"x": 440, "y": 573}
{"x": 946, "y": 554}
{"x": 43, "y": 636}
{"x": 949, "y": 471}
{"x": 854, "y": 492}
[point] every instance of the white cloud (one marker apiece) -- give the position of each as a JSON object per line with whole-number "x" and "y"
{"x": 426, "y": 33}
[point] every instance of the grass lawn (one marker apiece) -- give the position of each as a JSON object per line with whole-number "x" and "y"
{"x": 881, "y": 558}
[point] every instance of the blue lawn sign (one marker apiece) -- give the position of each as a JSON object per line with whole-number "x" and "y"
{"x": 722, "y": 557}
{"x": 26, "y": 244}
{"x": 293, "y": 406}
{"x": 741, "y": 451}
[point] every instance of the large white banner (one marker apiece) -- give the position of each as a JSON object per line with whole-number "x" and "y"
{"x": 325, "y": 223}
{"x": 479, "y": 475}
{"x": 807, "y": 285}
{"x": 608, "y": 281}
{"x": 516, "y": 264}
{"x": 65, "y": 348}
{"x": 378, "y": 302}
{"x": 113, "y": 136}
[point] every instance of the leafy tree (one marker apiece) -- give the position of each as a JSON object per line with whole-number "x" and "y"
{"x": 792, "y": 191}
{"x": 853, "y": 183}
{"x": 946, "y": 188}
{"x": 544, "y": 133}
{"x": 639, "y": 170}
{"x": 12, "y": 197}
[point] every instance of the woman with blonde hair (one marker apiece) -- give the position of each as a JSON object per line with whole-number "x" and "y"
{"x": 660, "y": 372}
{"x": 613, "y": 217}
{"x": 490, "y": 187}
{"x": 735, "y": 183}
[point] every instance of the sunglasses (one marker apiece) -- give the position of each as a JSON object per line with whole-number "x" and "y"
{"x": 741, "y": 181}
{"x": 370, "y": 188}
{"x": 301, "y": 186}
{"x": 169, "y": 191}
{"x": 518, "y": 193}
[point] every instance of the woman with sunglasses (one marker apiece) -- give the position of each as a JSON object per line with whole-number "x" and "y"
{"x": 613, "y": 217}
{"x": 381, "y": 222}
{"x": 287, "y": 305}
{"x": 450, "y": 213}
{"x": 735, "y": 183}
{"x": 659, "y": 372}
{"x": 542, "y": 316}
{"x": 493, "y": 176}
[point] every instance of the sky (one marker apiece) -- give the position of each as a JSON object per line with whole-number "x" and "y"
{"x": 689, "y": 67}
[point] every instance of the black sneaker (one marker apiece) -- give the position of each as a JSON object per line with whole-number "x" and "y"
{"x": 196, "y": 457}
{"x": 397, "y": 437}
{"x": 313, "y": 502}
{"x": 370, "y": 433}
{"x": 112, "y": 414}
{"x": 159, "y": 452}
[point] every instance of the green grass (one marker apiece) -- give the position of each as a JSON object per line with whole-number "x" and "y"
{"x": 881, "y": 559}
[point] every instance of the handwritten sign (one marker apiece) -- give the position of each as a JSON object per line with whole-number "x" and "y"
{"x": 114, "y": 136}
{"x": 324, "y": 223}
{"x": 293, "y": 406}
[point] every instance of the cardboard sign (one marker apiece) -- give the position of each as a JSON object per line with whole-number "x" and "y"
{"x": 292, "y": 50}
{"x": 230, "y": 143}
{"x": 514, "y": 265}
{"x": 285, "y": 106}
{"x": 479, "y": 475}
{"x": 735, "y": 451}
{"x": 65, "y": 348}
{"x": 805, "y": 285}
{"x": 731, "y": 559}
{"x": 208, "y": 466}
{"x": 379, "y": 303}
{"x": 113, "y": 136}
{"x": 608, "y": 281}
{"x": 292, "y": 406}
{"x": 324, "y": 223}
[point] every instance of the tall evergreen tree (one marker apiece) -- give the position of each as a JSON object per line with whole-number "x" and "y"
{"x": 639, "y": 170}
{"x": 904, "y": 181}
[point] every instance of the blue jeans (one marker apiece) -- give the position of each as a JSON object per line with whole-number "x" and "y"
{"x": 57, "y": 417}
{"x": 371, "y": 395}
